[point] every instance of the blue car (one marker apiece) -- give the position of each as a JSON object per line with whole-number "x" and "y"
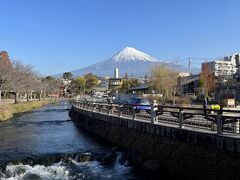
{"x": 140, "y": 104}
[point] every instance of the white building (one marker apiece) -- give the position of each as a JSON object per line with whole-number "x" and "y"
{"x": 66, "y": 82}
{"x": 103, "y": 82}
{"x": 221, "y": 67}
{"x": 184, "y": 74}
{"x": 235, "y": 60}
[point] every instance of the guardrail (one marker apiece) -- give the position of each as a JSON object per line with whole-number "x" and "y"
{"x": 219, "y": 121}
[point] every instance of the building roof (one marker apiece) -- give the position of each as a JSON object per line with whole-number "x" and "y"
{"x": 140, "y": 87}
{"x": 101, "y": 89}
{"x": 189, "y": 79}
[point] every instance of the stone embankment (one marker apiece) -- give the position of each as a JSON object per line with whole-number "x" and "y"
{"x": 167, "y": 152}
{"x": 7, "y": 111}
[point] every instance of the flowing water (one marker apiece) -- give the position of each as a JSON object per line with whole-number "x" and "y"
{"x": 46, "y": 144}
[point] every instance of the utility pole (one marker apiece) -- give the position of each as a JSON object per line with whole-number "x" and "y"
{"x": 193, "y": 58}
{"x": 189, "y": 65}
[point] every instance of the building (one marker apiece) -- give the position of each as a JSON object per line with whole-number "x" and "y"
{"x": 5, "y": 62}
{"x": 103, "y": 82}
{"x": 220, "y": 68}
{"x": 65, "y": 83}
{"x": 234, "y": 59}
{"x": 184, "y": 74}
{"x": 221, "y": 75}
{"x": 144, "y": 88}
{"x": 217, "y": 72}
{"x": 189, "y": 84}
{"x": 103, "y": 85}
{"x": 116, "y": 82}
{"x": 5, "y": 65}
{"x": 224, "y": 92}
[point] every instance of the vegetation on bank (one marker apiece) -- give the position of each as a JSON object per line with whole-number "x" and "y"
{"x": 7, "y": 111}
{"x": 53, "y": 101}
{"x": 81, "y": 85}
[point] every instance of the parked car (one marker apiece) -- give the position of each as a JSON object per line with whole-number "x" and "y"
{"x": 140, "y": 104}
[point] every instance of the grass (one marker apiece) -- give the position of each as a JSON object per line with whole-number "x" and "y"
{"x": 7, "y": 111}
{"x": 53, "y": 101}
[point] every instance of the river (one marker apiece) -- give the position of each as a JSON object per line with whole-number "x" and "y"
{"x": 46, "y": 144}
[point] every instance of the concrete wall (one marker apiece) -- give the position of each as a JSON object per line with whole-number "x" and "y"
{"x": 182, "y": 152}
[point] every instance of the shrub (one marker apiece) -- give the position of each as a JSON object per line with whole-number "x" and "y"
{"x": 183, "y": 101}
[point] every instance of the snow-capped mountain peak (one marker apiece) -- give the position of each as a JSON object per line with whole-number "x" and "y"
{"x": 131, "y": 54}
{"x": 128, "y": 60}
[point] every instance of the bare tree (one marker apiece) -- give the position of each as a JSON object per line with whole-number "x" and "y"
{"x": 50, "y": 85}
{"x": 22, "y": 78}
{"x": 165, "y": 80}
{"x": 30, "y": 82}
{"x": 4, "y": 79}
{"x": 207, "y": 80}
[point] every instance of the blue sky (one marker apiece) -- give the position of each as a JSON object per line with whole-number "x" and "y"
{"x": 62, "y": 35}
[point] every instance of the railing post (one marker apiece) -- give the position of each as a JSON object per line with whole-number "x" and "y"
{"x": 153, "y": 113}
{"x": 134, "y": 113}
{"x": 236, "y": 127}
{"x": 219, "y": 122}
{"x": 108, "y": 109}
{"x": 181, "y": 118}
{"x": 100, "y": 107}
{"x": 111, "y": 112}
{"x": 119, "y": 111}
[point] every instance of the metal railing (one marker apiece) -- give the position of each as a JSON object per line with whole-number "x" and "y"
{"x": 219, "y": 121}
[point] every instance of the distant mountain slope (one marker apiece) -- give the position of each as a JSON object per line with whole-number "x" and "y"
{"x": 128, "y": 60}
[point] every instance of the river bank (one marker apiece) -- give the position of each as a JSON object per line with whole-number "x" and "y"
{"x": 7, "y": 111}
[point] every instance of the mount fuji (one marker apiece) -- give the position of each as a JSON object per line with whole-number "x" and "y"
{"x": 128, "y": 60}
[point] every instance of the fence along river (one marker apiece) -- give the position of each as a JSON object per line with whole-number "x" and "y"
{"x": 191, "y": 143}
{"x": 221, "y": 122}
{"x": 46, "y": 144}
